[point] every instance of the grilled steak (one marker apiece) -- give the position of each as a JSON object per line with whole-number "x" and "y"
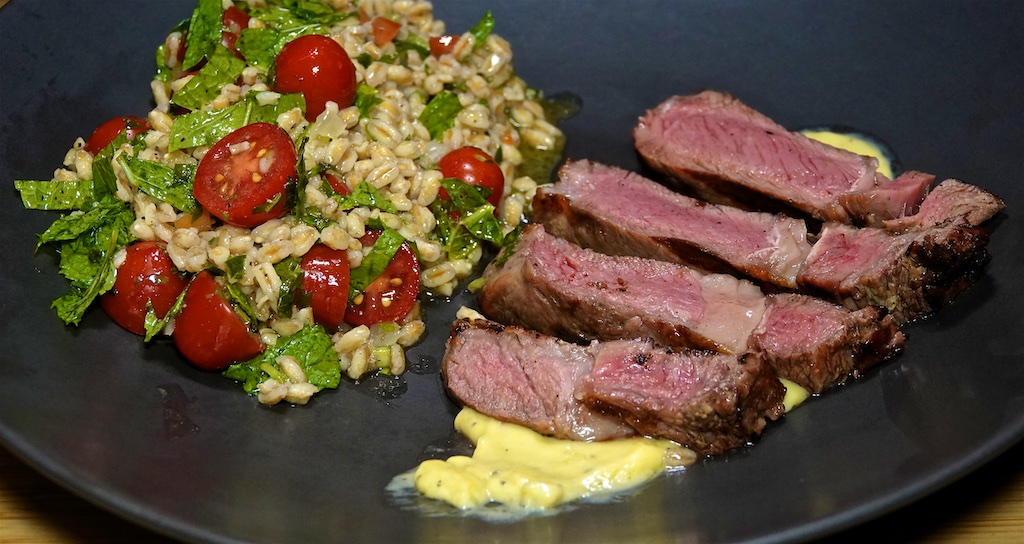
{"x": 709, "y": 402}
{"x": 588, "y": 207}
{"x": 728, "y": 153}
{"x": 951, "y": 202}
{"x": 817, "y": 344}
{"x": 900, "y": 198}
{"x": 910, "y": 274}
{"x": 525, "y": 378}
{"x": 558, "y": 288}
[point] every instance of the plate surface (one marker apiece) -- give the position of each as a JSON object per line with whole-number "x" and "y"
{"x": 136, "y": 430}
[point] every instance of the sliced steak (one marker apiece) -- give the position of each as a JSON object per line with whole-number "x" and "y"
{"x": 728, "y": 153}
{"x": 910, "y": 274}
{"x": 526, "y": 378}
{"x": 709, "y": 402}
{"x": 558, "y": 288}
{"x": 617, "y": 212}
{"x": 952, "y": 201}
{"x": 817, "y": 344}
{"x": 900, "y": 198}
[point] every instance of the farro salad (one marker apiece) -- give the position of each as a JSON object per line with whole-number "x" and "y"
{"x": 309, "y": 170}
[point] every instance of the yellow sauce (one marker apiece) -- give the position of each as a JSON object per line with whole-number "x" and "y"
{"x": 795, "y": 394}
{"x": 853, "y": 143}
{"x": 521, "y": 469}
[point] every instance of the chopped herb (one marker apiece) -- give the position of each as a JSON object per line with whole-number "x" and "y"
{"x": 206, "y": 127}
{"x": 367, "y": 196}
{"x": 222, "y": 68}
{"x": 476, "y": 214}
{"x": 55, "y": 195}
{"x": 173, "y": 186}
{"x": 155, "y": 325}
{"x": 204, "y": 30}
{"x": 234, "y": 267}
{"x": 483, "y": 28}
{"x": 413, "y": 42}
{"x": 241, "y": 303}
{"x": 366, "y": 99}
{"x": 375, "y": 261}
{"x": 311, "y": 347}
{"x": 439, "y": 114}
{"x": 290, "y": 273}
{"x": 508, "y": 246}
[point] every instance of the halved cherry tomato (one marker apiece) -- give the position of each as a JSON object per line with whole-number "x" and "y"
{"x": 384, "y": 30}
{"x": 234, "y": 22}
{"x": 208, "y": 331}
{"x": 105, "y": 133}
{"x": 442, "y": 45}
{"x": 325, "y": 277}
{"x": 391, "y": 296}
{"x": 320, "y": 69}
{"x": 242, "y": 179}
{"x": 336, "y": 184}
{"x": 146, "y": 275}
{"x": 475, "y": 167}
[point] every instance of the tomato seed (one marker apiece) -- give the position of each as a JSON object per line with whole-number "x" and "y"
{"x": 256, "y": 177}
{"x": 395, "y": 282}
{"x": 385, "y": 302}
{"x": 358, "y": 300}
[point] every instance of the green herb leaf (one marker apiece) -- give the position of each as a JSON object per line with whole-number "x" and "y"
{"x": 366, "y": 196}
{"x": 235, "y": 268}
{"x": 313, "y": 349}
{"x": 207, "y": 127}
{"x": 241, "y": 302}
{"x": 413, "y": 42}
{"x": 476, "y": 214}
{"x": 171, "y": 186}
{"x": 290, "y": 272}
{"x": 374, "y": 263}
{"x": 439, "y": 114}
{"x": 483, "y": 28}
{"x": 223, "y": 67}
{"x": 366, "y": 99}
{"x": 155, "y": 325}
{"x": 55, "y": 195}
{"x": 508, "y": 246}
{"x": 204, "y": 29}
{"x": 73, "y": 225}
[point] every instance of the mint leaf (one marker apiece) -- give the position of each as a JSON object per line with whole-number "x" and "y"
{"x": 55, "y": 195}
{"x": 73, "y": 225}
{"x": 439, "y": 114}
{"x": 204, "y": 30}
{"x": 159, "y": 181}
{"x": 222, "y": 68}
{"x": 290, "y": 273}
{"x": 365, "y": 196}
{"x": 483, "y": 28}
{"x": 154, "y": 325}
{"x": 311, "y": 347}
{"x": 366, "y": 99}
{"x": 375, "y": 261}
{"x": 476, "y": 214}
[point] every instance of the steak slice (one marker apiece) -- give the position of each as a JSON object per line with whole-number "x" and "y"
{"x": 617, "y": 212}
{"x": 558, "y": 288}
{"x": 817, "y": 344}
{"x": 910, "y": 274}
{"x": 900, "y": 198}
{"x": 709, "y": 402}
{"x": 728, "y": 153}
{"x": 525, "y": 378}
{"x": 952, "y": 201}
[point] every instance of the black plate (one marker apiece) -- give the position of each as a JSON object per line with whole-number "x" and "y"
{"x": 136, "y": 430}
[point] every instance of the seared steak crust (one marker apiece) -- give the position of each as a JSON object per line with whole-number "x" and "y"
{"x": 707, "y": 401}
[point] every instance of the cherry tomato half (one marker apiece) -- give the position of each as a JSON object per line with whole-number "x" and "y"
{"x": 105, "y": 133}
{"x": 242, "y": 179}
{"x": 208, "y": 332}
{"x": 442, "y": 45}
{"x": 325, "y": 278}
{"x": 234, "y": 21}
{"x": 146, "y": 275}
{"x": 320, "y": 69}
{"x": 475, "y": 167}
{"x": 391, "y": 296}
{"x": 384, "y": 30}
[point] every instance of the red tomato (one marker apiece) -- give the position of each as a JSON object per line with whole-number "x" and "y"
{"x": 243, "y": 177}
{"x": 325, "y": 275}
{"x": 146, "y": 275}
{"x": 208, "y": 331}
{"x": 336, "y": 184}
{"x": 320, "y": 69}
{"x": 475, "y": 167}
{"x": 391, "y": 296}
{"x": 105, "y": 133}
{"x": 234, "y": 22}
{"x": 443, "y": 45}
{"x": 384, "y": 30}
